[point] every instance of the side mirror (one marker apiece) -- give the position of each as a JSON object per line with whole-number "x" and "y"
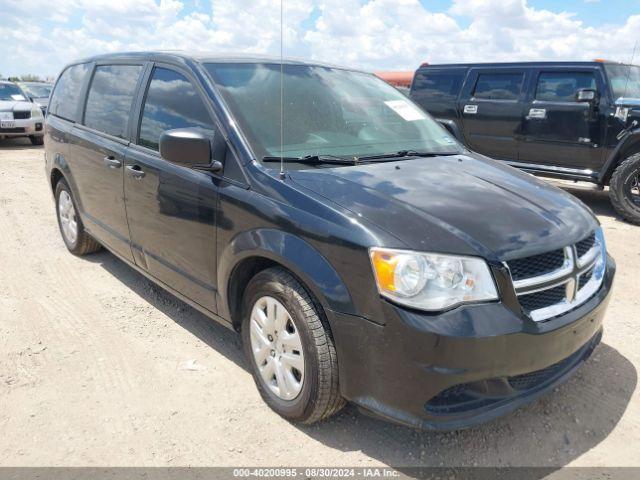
{"x": 188, "y": 147}
{"x": 586, "y": 95}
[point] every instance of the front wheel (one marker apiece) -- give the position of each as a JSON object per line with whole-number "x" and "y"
{"x": 624, "y": 189}
{"x": 289, "y": 348}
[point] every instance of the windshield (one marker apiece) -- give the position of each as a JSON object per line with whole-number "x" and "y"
{"x": 624, "y": 80}
{"x": 327, "y": 111}
{"x": 9, "y": 91}
{"x": 41, "y": 90}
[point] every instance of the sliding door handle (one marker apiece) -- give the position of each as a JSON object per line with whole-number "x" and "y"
{"x": 112, "y": 162}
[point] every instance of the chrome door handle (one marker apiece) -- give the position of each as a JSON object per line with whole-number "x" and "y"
{"x": 136, "y": 172}
{"x": 112, "y": 162}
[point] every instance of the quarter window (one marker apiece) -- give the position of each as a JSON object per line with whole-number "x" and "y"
{"x": 439, "y": 84}
{"x": 110, "y": 97}
{"x": 499, "y": 86}
{"x": 66, "y": 96}
{"x": 172, "y": 102}
{"x": 562, "y": 86}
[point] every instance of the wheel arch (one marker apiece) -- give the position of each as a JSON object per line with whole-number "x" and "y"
{"x": 253, "y": 251}
{"x": 628, "y": 146}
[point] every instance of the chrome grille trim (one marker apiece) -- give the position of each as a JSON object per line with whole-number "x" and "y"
{"x": 569, "y": 275}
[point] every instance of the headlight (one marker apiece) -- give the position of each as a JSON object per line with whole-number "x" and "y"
{"x": 36, "y": 112}
{"x": 430, "y": 281}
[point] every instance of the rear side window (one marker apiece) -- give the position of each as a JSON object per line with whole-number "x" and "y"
{"x": 438, "y": 84}
{"x": 66, "y": 96}
{"x": 499, "y": 86}
{"x": 110, "y": 98}
{"x": 171, "y": 102}
{"x": 562, "y": 86}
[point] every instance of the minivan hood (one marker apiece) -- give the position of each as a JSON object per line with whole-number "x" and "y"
{"x": 465, "y": 204}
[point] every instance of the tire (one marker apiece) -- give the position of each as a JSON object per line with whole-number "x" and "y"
{"x": 319, "y": 395}
{"x": 621, "y": 186}
{"x": 82, "y": 243}
{"x": 36, "y": 140}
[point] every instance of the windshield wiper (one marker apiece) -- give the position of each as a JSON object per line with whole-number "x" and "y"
{"x": 314, "y": 159}
{"x": 402, "y": 154}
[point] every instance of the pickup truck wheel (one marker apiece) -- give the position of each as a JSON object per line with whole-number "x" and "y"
{"x": 75, "y": 237}
{"x": 624, "y": 189}
{"x": 289, "y": 348}
{"x": 36, "y": 140}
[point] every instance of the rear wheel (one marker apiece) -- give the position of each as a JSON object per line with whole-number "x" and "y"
{"x": 624, "y": 189}
{"x": 77, "y": 240}
{"x": 36, "y": 140}
{"x": 289, "y": 348}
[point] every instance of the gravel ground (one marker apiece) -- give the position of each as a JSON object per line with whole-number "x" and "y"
{"x": 98, "y": 367}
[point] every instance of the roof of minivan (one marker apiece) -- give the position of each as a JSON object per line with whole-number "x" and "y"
{"x": 520, "y": 64}
{"x": 207, "y": 57}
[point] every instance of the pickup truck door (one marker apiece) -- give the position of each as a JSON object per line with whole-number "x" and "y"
{"x": 171, "y": 209}
{"x": 556, "y": 129}
{"x": 491, "y": 110}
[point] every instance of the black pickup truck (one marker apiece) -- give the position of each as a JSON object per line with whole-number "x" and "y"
{"x": 571, "y": 120}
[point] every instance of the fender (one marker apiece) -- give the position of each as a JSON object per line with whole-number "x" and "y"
{"x": 630, "y": 142}
{"x": 293, "y": 253}
{"x": 60, "y": 163}
{"x": 452, "y": 127}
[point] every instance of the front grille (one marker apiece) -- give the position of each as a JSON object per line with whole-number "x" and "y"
{"x": 542, "y": 299}
{"x": 21, "y": 115}
{"x": 12, "y": 130}
{"x": 536, "y": 265}
{"x": 550, "y": 284}
{"x": 584, "y": 279}
{"x": 583, "y": 246}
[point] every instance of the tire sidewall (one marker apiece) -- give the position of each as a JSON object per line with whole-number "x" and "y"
{"x": 60, "y": 187}
{"x": 620, "y": 185}
{"x": 267, "y": 284}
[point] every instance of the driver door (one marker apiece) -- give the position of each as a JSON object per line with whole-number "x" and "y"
{"x": 172, "y": 209}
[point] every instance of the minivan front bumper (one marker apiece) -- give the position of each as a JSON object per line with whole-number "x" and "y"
{"x": 465, "y": 366}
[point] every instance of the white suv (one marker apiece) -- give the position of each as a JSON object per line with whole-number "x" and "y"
{"x": 18, "y": 116}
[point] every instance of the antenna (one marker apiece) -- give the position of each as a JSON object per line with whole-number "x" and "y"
{"x": 633, "y": 55}
{"x": 281, "y": 96}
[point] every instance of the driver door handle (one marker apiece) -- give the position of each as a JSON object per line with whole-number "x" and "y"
{"x": 112, "y": 162}
{"x": 136, "y": 172}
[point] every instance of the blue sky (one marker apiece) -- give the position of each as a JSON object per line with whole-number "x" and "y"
{"x": 370, "y": 34}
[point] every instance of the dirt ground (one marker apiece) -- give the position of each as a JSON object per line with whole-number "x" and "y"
{"x": 98, "y": 367}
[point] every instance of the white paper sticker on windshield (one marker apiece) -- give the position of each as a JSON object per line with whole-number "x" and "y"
{"x": 405, "y": 110}
{"x": 18, "y": 97}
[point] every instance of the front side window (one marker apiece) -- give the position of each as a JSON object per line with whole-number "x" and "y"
{"x": 562, "y": 86}
{"x": 171, "y": 102}
{"x": 499, "y": 86}
{"x": 110, "y": 98}
{"x": 326, "y": 111}
{"x": 66, "y": 96}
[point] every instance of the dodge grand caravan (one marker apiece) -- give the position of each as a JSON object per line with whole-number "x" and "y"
{"x": 362, "y": 253}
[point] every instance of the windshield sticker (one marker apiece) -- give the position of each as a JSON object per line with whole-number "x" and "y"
{"x": 405, "y": 110}
{"x": 18, "y": 97}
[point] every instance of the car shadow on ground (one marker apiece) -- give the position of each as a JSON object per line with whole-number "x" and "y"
{"x": 20, "y": 143}
{"x": 551, "y": 432}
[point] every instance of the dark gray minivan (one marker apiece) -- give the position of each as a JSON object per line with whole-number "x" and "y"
{"x": 363, "y": 254}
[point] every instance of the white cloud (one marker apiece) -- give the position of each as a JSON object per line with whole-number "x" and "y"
{"x": 373, "y": 34}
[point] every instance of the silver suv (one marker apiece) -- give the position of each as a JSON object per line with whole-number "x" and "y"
{"x": 18, "y": 116}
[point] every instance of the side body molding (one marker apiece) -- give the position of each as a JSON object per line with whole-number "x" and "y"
{"x": 292, "y": 252}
